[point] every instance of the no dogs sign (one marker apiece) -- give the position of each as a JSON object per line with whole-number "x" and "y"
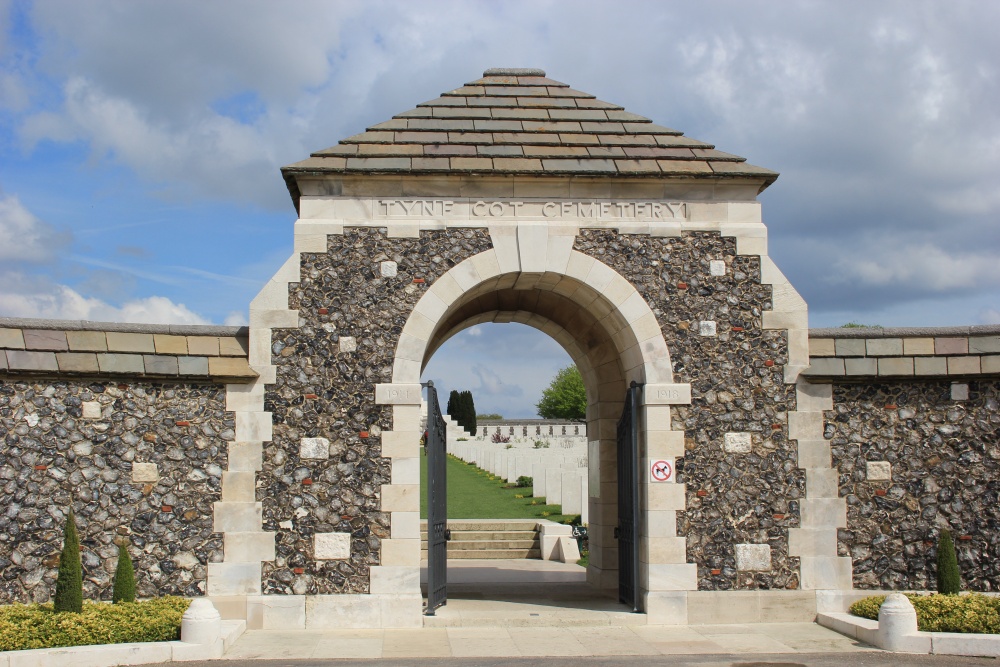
{"x": 661, "y": 471}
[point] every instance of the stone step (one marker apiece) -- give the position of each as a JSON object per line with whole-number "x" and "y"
{"x": 494, "y": 554}
{"x": 487, "y": 524}
{"x": 486, "y": 545}
{"x": 475, "y": 535}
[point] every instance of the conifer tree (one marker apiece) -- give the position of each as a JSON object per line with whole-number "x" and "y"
{"x": 124, "y": 588}
{"x": 69, "y": 582}
{"x": 470, "y": 416}
{"x": 452, "y": 409}
{"x": 949, "y": 582}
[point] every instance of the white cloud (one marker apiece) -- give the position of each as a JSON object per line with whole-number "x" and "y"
{"x": 924, "y": 267}
{"x": 236, "y": 318}
{"x": 23, "y": 237}
{"x": 64, "y": 303}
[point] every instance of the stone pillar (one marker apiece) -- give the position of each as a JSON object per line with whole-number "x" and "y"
{"x": 897, "y": 624}
{"x": 201, "y": 623}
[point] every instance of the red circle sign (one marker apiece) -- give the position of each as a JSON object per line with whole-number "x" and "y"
{"x": 661, "y": 471}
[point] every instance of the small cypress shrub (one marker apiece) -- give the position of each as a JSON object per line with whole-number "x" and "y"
{"x": 69, "y": 582}
{"x": 124, "y": 589}
{"x": 949, "y": 582}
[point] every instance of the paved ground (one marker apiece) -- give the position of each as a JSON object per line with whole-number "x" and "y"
{"x": 516, "y": 612}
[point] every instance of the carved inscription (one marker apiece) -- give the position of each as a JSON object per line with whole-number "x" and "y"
{"x": 649, "y": 211}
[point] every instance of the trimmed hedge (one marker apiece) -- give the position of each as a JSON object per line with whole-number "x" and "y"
{"x": 38, "y": 626}
{"x": 943, "y": 613}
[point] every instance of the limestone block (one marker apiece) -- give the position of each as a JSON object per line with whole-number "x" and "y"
{"x": 244, "y": 397}
{"x": 398, "y": 394}
{"x": 239, "y": 486}
{"x": 244, "y": 517}
{"x": 822, "y": 483}
{"x": 662, "y": 549}
{"x": 278, "y": 612}
{"x": 786, "y": 319}
{"x": 717, "y": 267}
{"x": 404, "y": 525}
{"x": 400, "y": 444}
{"x": 664, "y": 497}
{"x": 963, "y": 366}
{"x": 753, "y": 557}
{"x": 234, "y": 346}
{"x": 249, "y": 547}
{"x": 156, "y": 364}
{"x": 878, "y": 471}
{"x": 532, "y": 245}
{"x": 850, "y": 347}
{"x": 76, "y": 362}
{"x": 245, "y": 456}
{"x": 130, "y": 342}
{"x": 666, "y": 394}
{"x": 145, "y": 473}
{"x": 44, "y": 339}
{"x": 861, "y": 365}
{"x": 895, "y": 366}
{"x": 230, "y": 367}
{"x": 737, "y": 443}
{"x": 670, "y": 577}
{"x": 823, "y": 512}
{"x": 959, "y": 391}
{"x": 805, "y": 425}
{"x": 821, "y": 347}
{"x": 884, "y": 347}
{"x": 395, "y": 579}
{"x": 338, "y": 612}
{"x": 332, "y": 546}
{"x": 388, "y": 269}
{"x": 314, "y": 448}
{"x": 825, "y": 573}
{"x": 18, "y": 360}
{"x": 814, "y": 454}
{"x": 121, "y": 363}
{"x": 12, "y": 339}
{"x": 400, "y": 552}
{"x": 825, "y": 366}
{"x": 915, "y": 346}
{"x": 193, "y": 366}
{"x": 86, "y": 341}
{"x": 812, "y": 541}
{"x": 253, "y": 426}
{"x": 406, "y": 470}
{"x": 990, "y": 364}
{"x": 984, "y": 344}
{"x": 814, "y": 396}
{"x": 204, "y": 346}
{"x": 897, "y": 621}
{"x": 167, "y": 344}
{"x": 400, "y": 497}
{"x": 930, "y": 366}
{"x": 706, "y": 328}
{"x": 91, "y": 409}
{"x": 665, "y": 607}
{"x": 234, "y": 578}
{"x": 944, "y": 346}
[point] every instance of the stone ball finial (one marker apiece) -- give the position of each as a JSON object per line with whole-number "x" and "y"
{"x": 514, "y": 71}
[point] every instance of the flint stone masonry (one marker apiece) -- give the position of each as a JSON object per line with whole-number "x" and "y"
{"x": 945, "y": 474}
{"x": 323, "y": 391}
{"x": 737, "y": 385}
{"x": 52, "y": 458}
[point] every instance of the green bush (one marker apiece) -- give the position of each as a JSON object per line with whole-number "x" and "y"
{"x": 524, "y": 481}
{"x": 948, "y": 580}
{"x": 943, "y": 613}
{"x": 69, "y": 581}
{"x": 124, "y": 588}
{"x": 38, "y": 626}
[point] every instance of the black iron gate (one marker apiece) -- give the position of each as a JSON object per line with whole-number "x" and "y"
{"x": 627, "y": 531}
{"x": 437, "y": 505}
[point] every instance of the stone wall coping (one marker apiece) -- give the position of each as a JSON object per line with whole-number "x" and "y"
{"x": 124, "y": 327}
{"x": 906, "y": 332}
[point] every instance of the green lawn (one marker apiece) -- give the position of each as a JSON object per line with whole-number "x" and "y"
{"x": 472, "y": 494}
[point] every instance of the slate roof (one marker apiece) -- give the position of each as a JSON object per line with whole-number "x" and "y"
{"x": 518, "y": 121}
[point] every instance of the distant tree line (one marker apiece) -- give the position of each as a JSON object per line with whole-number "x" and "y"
{"x": 462, "y": 409}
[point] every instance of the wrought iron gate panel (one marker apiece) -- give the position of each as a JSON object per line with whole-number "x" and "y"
{"x": 628, "y": 500}
{"x": 437, "y": 505}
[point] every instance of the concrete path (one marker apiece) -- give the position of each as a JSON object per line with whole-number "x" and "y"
{"x": 515, "y": 642}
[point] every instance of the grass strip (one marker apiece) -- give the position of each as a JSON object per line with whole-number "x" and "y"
{"x": 474, "y": 493}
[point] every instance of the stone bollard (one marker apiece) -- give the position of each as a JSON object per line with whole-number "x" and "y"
{"x": 201, "y": 623}
{"x": 897, "y": 621}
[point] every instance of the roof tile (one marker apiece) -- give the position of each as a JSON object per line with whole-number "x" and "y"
{"x": 471, "y": 163}
{"x": 448, "y": 149}
{"x": 503, "y": 151}
{"x": 378, "y": 163}
{"x": 586, "y": 165}
{"x": 518, "y": 121}
{"x": 517, "y": 164}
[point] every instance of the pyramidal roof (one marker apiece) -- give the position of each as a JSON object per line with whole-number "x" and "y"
{"x": 519, "y": 122}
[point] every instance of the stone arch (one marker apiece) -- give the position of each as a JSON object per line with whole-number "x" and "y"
{"x": 532, "y": 275}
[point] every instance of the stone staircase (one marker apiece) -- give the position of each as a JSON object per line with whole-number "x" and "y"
{"x": 500, "y": 539}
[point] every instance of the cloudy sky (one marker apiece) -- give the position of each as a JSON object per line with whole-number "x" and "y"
{"x": 140, "y": 143}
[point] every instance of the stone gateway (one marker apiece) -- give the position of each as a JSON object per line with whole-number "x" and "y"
{"x": 275, "y": 468}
